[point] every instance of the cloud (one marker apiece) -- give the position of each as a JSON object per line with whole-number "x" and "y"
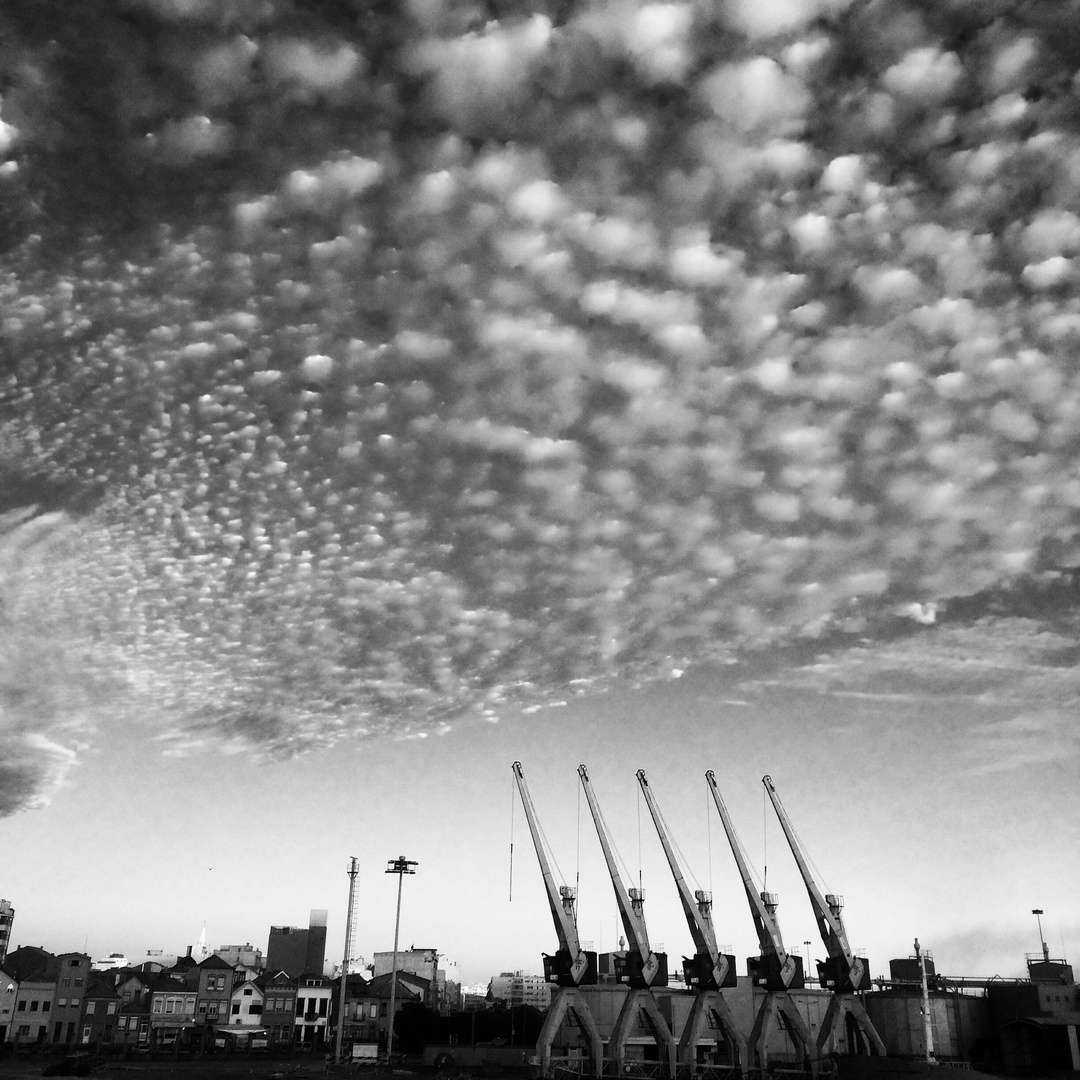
{"x": 32, "y": 766}
{"x": 48, "y": 693}
{"x": 1042, "y": 739}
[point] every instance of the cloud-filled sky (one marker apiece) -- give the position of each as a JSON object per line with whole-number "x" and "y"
{"x": 651, "y": 385}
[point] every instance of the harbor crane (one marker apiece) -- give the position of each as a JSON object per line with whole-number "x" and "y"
{"x": 642, "y": 968}
{"x": 572, "y": 967}
{"x": 709, "y": 970}
{"x": 846, "y": 1026}
{"x": 776, "y": 971}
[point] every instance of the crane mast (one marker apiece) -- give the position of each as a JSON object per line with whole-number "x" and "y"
{"x": 571, "y": 965}
{"x": 846, "y": 1025}
{"x": 843, "y": 971}
{"x": 646, "y": 967}
{"x": 781, "y": 971}
{"x": 710, "y": 969}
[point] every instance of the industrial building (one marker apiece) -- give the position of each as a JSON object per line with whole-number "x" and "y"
{"x": 297, "y": 950}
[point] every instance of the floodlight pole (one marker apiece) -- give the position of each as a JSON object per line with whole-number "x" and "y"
{"x": 1038, "y": 913}
{"x": 400, "y": 866}
{"x": 352, "y": 872}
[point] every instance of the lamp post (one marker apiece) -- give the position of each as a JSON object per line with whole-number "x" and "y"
{"x": 400, "y": 866}
{"x": 1038, "y": 913}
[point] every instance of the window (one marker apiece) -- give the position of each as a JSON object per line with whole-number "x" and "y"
{"x": 60, "y": 1003}
{"x": 110, "y": 1008}
{"x": 75, "y": 963}
{"x": 157, "y": 1004}
{"x": 24, "y": 1029}
{"x": 256, "y": 1009}
{"x": 91, "y": 1006}
{"x": 78, "y": 982}
{"x": 323, "y": 1002}
{"x": 300, "y": 1004}
{"x": 373, "y": 1011}
{"x": 248, "y": 993}
{"x": 45, "y": 1006}
{"x": 65, "y": 981}
{"x": 21, "y": 1007}
{"x": 236, "y": 1008}
{"x": 34, "y": 1006}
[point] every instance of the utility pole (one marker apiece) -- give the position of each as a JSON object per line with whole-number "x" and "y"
{"x": 400, "y": 866}
{"x": 352, "y": 872}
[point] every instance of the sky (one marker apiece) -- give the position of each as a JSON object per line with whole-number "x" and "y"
{"x": 723, "y": 417}
{"x": 943, "y": 812}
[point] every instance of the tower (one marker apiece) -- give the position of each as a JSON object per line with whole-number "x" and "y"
{"x": 7, "y": 917}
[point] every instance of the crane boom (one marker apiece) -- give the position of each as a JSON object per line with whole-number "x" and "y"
{"x": 783, "y": 971}
{"x": 710, "y": 969}
{"x": 844, "y": 970}
{"x": 572, "y": 965}
{"x": 647, "y": 968}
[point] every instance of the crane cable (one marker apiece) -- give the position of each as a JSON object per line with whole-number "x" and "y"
{"x": 512, "y": 801}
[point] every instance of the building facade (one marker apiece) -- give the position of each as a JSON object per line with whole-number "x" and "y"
{"x": 279, "y": 1007}
{"x": 100, "y": 1006}
{"x": 314, "y": 1004}
{"x": 72, "y": 974}
{"x": 213, "y": 989}
{"x": 517, "y": 988}
{"x": 9, "y": 990}
{"x": 33, "y": 1010}
{"x": 246, "y": 1006}
{"x": 368, "y": 1012}
{"x": 172, "y": 1011}
{"x": 245, "y": 955}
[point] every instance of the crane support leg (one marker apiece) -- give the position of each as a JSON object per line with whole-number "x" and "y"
{"x": 569, "y": 999}
{"x": 834, "y": 1035}
{"x": 779, "y": 1002}
{"x": 709, "y": 1008}
{"x": 637, "y": 1000}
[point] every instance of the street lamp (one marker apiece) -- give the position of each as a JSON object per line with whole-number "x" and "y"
{"x": 1038, "y": 913}
{"x": 400, "y": 866}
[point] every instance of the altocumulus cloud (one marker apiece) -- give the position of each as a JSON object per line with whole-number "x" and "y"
{"x": 561, "y": 384}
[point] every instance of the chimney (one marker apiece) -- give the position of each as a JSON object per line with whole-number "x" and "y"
{"x": 189, "y": 948}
